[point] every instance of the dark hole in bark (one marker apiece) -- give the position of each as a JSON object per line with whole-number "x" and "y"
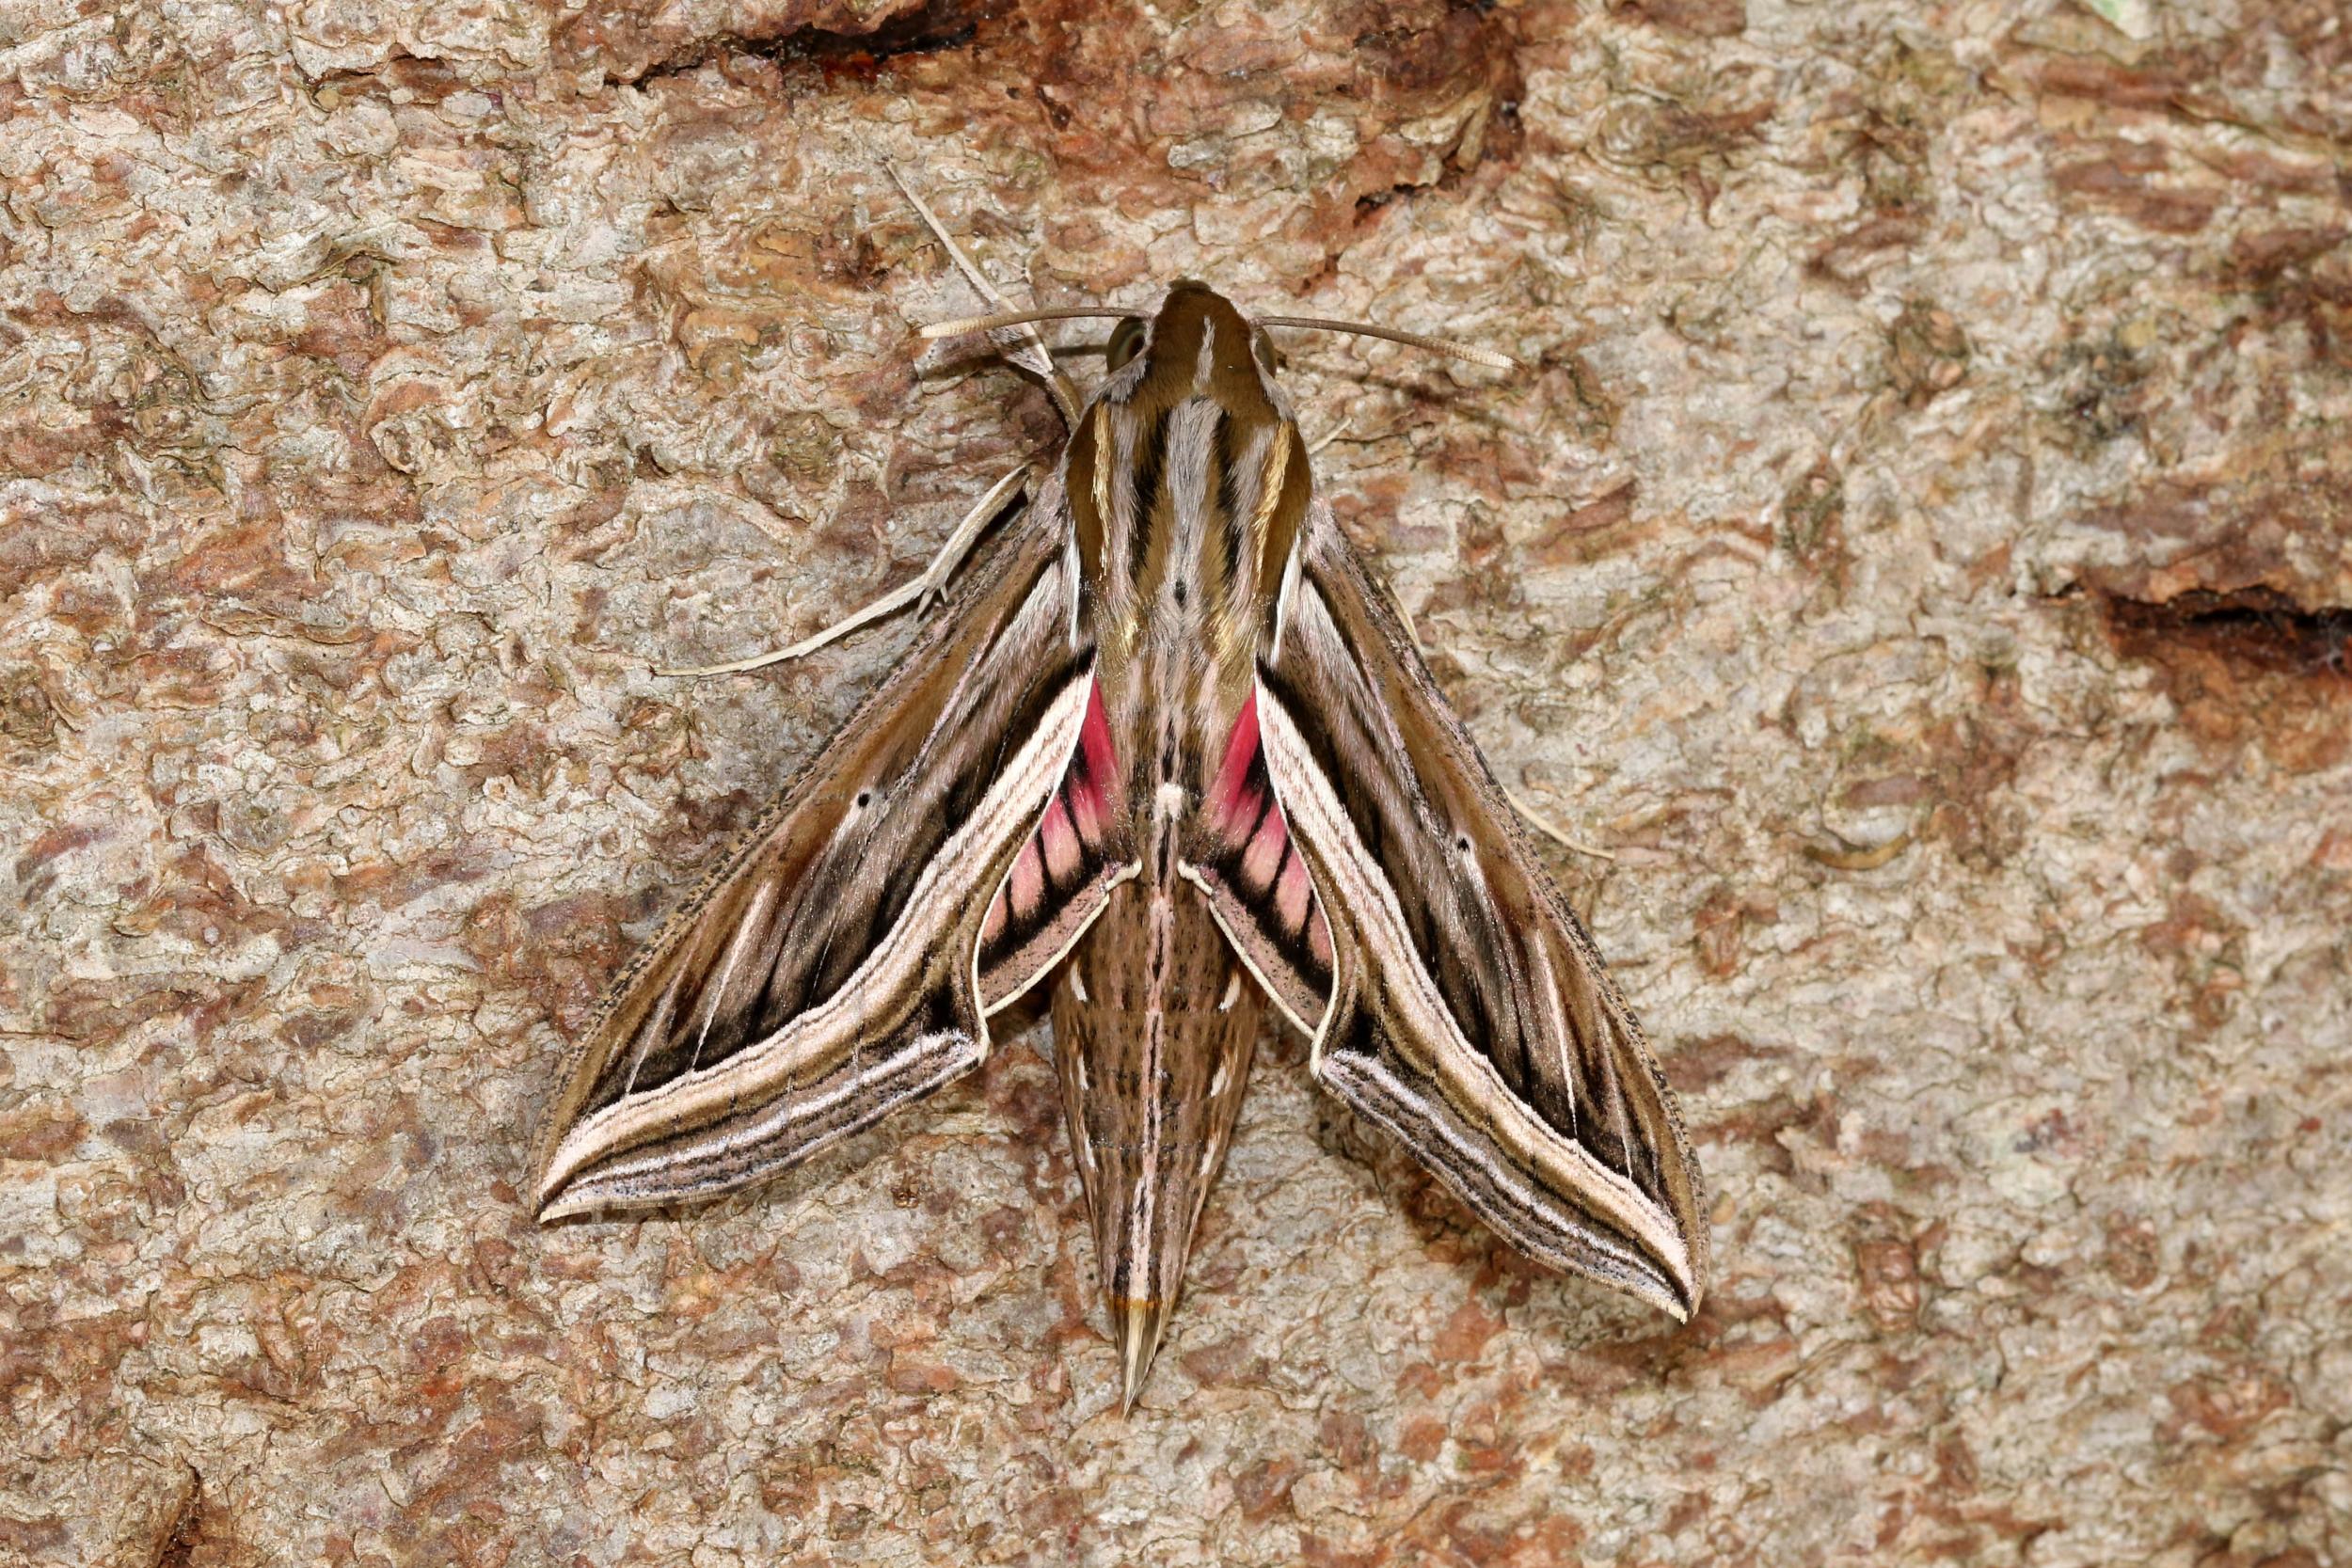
{"x": 926, "y": 29}
{"x": 946, "y": 24}
{"x": 2257, "y": 626}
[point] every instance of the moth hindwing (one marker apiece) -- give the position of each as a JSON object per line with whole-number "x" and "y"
{"x": 1173, "y": 756}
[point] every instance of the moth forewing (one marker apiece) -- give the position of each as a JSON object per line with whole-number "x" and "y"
{"x": 824, "y": 975}
{"x": 1472, "y": 1015}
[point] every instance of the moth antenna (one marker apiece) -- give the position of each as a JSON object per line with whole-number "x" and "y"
{"x": 1020, "y": 318}
{"x": 1397, "y": 335}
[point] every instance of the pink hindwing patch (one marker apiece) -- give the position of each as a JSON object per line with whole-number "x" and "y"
{"x": 1068, "y": 849}
{"x": 1261, "y": 865}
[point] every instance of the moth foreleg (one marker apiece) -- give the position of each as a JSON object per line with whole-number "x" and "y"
{"x": 1024, "y": 345}
{"x": 933, "y": 578}
{"x": 1330, "y": 436}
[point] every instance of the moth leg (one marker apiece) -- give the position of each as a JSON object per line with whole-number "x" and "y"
{"x": 1551, "y": 830}
{"x": 931, "y": 580}
{"x": 1332, "y": 435}
{"x": 1024, "y": 345}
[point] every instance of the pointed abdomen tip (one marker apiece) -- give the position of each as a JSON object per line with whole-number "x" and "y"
{"x": 1136, "y": 1328}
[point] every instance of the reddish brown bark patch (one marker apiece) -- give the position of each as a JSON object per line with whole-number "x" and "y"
{"x": 1706, "y": 19}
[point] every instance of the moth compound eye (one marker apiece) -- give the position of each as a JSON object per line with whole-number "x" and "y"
{"x": 1269, "y": 356}
{"x": 1127, "y": 341}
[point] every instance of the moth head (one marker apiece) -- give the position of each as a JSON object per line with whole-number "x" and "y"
{"x": 1199, "y": 344}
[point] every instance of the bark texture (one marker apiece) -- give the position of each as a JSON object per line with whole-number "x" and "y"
{"x": 1920, "y": 552}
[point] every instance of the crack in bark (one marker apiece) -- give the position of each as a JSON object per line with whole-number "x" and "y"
{"x": 178, "y": 1548}
{"x": 2256, "y": 627}
{"x": 927, "y": 30}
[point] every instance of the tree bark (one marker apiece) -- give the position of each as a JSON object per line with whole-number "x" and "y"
{"x": 1919, "y": 552}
